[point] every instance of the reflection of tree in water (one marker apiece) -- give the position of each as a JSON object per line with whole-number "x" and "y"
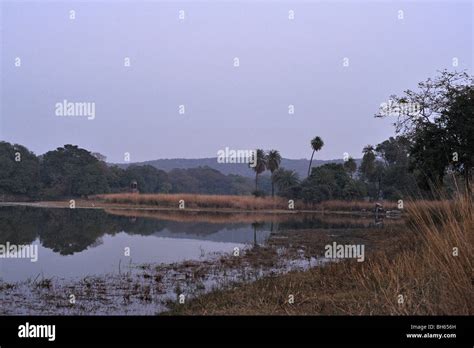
{"x": 19, "y": 225}
{"x": 67, "y": 231}
{"x": 257, "y": 226}
{"x": 201, "y": 228}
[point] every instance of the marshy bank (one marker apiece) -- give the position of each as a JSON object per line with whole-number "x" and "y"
{"x": 425, "y": 270}
{"x": 202, "y": 263}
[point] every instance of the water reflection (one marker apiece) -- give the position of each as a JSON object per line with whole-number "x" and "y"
{"x": 80, "y": 242}
{"x": 68, "y": 231}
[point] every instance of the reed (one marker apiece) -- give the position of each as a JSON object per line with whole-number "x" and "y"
{"x": 419, "y": 273}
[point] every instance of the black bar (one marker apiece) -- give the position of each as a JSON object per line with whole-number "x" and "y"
{"x": 261, "y": 330}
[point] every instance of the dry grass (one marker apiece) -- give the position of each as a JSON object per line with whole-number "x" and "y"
{"x": 232, "y": 202}
{"x": 420, "y": 266}
{"x": 196, "y": 201}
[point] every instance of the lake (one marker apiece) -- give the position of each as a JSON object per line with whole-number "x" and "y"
{"x": 82, "y": 242}
{"x": 167, "y": 251}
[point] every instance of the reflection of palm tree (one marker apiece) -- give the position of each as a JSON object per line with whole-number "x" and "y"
{"x": 273, "y": 160}
{"x": 317, "y": 144}
{"x": 255, "y": 226}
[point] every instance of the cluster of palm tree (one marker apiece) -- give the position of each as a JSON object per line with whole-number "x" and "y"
{"x": 266, "y": 160}
{"x": 270, "y": 160}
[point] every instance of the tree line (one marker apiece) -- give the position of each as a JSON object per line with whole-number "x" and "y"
{"x": 433, "y": 146}
{"x": 70, "y": 171}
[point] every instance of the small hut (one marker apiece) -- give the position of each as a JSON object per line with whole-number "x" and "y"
{"x": 134, "y": 186}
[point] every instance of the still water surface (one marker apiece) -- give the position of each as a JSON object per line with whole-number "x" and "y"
{"x": 75, "y": 243}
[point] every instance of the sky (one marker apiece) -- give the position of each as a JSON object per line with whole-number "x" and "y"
{"x": 387, "y": 46}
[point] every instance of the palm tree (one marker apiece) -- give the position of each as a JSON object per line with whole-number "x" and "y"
{"x": 317, "y": 144}
{"x": 286, "y": 179}
{"x": 259, "y": 166}
{"x": 350, "y": 166}
{"x": 273, "y": 163}
{"x": 368, "y": 148}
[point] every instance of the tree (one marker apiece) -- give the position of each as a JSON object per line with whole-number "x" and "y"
{"x": 287, "y": 182}
{"x": 148, "y": 178}
{"x": 330, "y": 181}
{"x": 370, "y": 171}
{"x": 19, "y": 170}
{"x": 259, "y": 166}
{"x": 350, "y": 166}
{"x": 72, "y": 171}
{"x": 367, "y": 165}
{"x": 438, "y": 120}
{"x": 99, "y": 156}
{"x": 458, "y": 122}
{"x": 396, "y": 181}
{"x": 273, "y": 160}
{"x": 316, "y": 144}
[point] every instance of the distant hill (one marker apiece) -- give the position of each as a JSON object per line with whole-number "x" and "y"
{"x": 298, "y": 165}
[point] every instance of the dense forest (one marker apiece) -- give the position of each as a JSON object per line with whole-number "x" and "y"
{"x": 432, "y": 150}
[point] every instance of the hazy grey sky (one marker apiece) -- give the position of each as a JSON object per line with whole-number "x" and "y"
{"x": 190, "y": 62}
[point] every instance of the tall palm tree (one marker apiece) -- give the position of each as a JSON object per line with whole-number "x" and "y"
{"x": 259, "y": 166}
{"x": 317, "y": 143}
{"x": 273, "y": 163}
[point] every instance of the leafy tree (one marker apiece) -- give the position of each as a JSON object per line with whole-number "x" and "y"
{"x": 148, "y": 178}
{"x": 116, "y": 181}
{"x": 396, "y": 181}
{"x": 438, "y": 120}
{"x": 350, "y": 166}
{"x": 316, "y": 144}
{"x": 458, "y": 122}
{"x": 72, "y": 171}
{"x": 19, "y": 170}
{"x": 273, "y": 159}
{"x": 330, "y": 181}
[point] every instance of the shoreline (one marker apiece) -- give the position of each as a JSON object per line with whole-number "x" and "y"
{"x": 87, "y": 204}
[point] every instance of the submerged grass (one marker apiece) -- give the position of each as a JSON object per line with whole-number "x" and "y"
{"x": 427, "y": 271}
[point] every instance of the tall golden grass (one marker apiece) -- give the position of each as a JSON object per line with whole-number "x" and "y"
{"x": 419, "y": 274}
{"x": 232, "y": 202}
{"x": 196, "y": 201}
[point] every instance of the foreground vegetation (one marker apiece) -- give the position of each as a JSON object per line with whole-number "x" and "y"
{"x": 420, "y": 273}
